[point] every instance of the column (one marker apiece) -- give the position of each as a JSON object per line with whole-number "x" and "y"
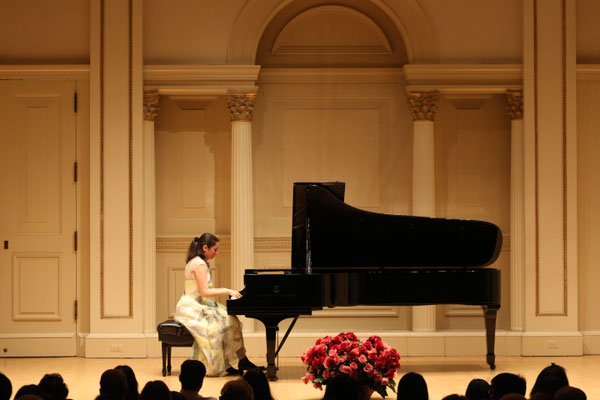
{"x": 241, "y": 107}
{"x": 423, "y": 106}
{"x": 151, "y": 99}
{"x": 514, "y": 102}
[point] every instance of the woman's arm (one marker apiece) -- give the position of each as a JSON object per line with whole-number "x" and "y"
{"x": 200, "y": 272}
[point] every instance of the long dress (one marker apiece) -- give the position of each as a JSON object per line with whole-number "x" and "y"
{"x": 218, "y": 342}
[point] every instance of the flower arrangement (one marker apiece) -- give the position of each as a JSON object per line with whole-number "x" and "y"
{"x": 371, "y": 362}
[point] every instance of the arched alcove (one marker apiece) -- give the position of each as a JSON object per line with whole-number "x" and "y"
{"x": 348, "y": 34}
{"x": 405, "y": 17}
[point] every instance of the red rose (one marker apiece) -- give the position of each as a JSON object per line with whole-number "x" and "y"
{"x": 368, "y": 368}
{"x": 353, "y": 355}
{"x": 362, "y": 359}
{"x": 330, "y": 362}
{"x": 345, "y": 369}
{"x": 353, "y": 365}
{"x": 372, "y": 356}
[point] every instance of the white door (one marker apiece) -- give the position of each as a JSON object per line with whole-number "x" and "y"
{"x": 37, "y": 218}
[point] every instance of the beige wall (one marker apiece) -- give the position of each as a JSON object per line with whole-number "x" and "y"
{"x": 357, "y": 131}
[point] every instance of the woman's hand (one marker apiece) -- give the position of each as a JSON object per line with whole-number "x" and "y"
{"x": 233, "y": 294}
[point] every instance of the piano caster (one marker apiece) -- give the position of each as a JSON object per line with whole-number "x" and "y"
{"x": 491, "y": 360}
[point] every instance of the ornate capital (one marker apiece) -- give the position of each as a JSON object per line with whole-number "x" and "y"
{"x": 423, "y": 105}
{"x": 241, "y": 106}
{"x": 514, "y": 104}
{"x": 151, "y": 98}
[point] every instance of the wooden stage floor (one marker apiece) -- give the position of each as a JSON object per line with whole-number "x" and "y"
{"x": 444, "y": 375}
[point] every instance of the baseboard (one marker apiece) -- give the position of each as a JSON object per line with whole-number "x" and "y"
{"x": 408, "y": 343}
{"x": 38, "y": 345}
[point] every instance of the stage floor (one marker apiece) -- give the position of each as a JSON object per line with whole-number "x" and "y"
{"x": 444, "y": 375}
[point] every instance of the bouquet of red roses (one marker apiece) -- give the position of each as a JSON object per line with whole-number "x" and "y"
{"x": 371, "y": 362}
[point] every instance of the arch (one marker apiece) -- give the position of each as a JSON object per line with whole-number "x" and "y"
{"x": 417, "y": 33}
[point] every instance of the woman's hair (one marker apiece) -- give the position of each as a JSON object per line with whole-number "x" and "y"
{"x": 550, "y": 379}
{"x": 196, "y": 247}
{"x": 257, "y": 379}
{"x": 113, "y": 384}
{"x": 54, "y": 385}
{"x": 478, "y": 389}
{"x": 237, "y": 389}
{"x": 132, "y": 383}
{"x": 412, "y": 386}
{"x": 155, "y": 390}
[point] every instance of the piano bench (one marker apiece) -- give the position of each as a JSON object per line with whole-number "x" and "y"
{"x": 172, "y": 334}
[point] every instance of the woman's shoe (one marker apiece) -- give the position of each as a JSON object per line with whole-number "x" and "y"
{"x": 245, "y": 364}
{"x": 232, "y": 371}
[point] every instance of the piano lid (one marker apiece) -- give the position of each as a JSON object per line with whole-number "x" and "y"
{"x": 328, "y": 234}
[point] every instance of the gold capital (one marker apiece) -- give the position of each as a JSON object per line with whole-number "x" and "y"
{"x": 514, "y": 104}
{"x": 151, "y": 98}
{"x": 241, "y": 106}
{"x": 423, "y": 105}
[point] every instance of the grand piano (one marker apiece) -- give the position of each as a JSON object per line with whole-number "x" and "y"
{"x": 343, "y": 256}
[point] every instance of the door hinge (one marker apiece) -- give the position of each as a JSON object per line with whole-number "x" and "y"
{"x": 75, "y": 171}
{"x": 75, "y": 310}
{"x": 75, "y": 240}
{"x": 75, "y": 102}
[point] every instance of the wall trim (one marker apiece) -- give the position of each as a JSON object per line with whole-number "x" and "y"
{"x": 46, "y": 71}
{"x": 330, "y": 75}
{"x": 588, "y": 72}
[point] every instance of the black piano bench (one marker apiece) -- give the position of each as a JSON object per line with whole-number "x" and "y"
{"x": 172, "y": 334}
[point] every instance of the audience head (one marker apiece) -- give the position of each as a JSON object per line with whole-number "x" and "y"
{"x": 113, "y": 385}
{"x": 155, "y": 390}
{"x": 237, "y": 389}
{"x": 260, "y": 385}
{"x": 5, "y": 387}
{"x": 28, "y": 390}
{"x": 569, "y": 393}
{"x": 132, "y": 383}
{"x": 541, "y": 396}
{"x": 412, "y": 386}
{"x": 478, "y": 389}
{"x": 342, "y": 387}
{"x": 550, "y": 379}
{"x": 54, "y": 385}
{"x": 191, "y": 375}
{"x": 506, "y": 383}
{"x": 455, "y": 397}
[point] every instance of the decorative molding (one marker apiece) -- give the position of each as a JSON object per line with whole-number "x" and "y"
{"x": 331, "y": 75}
{"x": 66, "y": 71}
{"x": 241, "y": 106}
{"x": 511, "y": 74}
{"x": 423, "y": 105}
{"x": 261, "y": 244}
{"x": 151, "y": 99}
{"x": 586, "y": 72}
{"x": 514, "y": 104}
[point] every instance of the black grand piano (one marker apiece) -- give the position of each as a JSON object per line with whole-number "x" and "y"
{"x": 343, "y": 256}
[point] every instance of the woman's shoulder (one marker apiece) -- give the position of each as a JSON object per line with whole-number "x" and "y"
{"x": 195, "y": 262}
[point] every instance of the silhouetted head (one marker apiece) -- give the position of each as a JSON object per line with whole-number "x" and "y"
{"x": 155, "y": 390}
{"x": 412, "y": 386}
{"x": 54, "y": 385}
{"x": 113, "y": 384}
{"x": 506, "y": 383}
{"x": 478, "y": 389}
{"x": 237, "y": 389}
{"x": 132, "y": 383}
{"x": 191, "y": 375}
{"x": 550, "y": 379}
{"x": 260, "y": 385}
{"x": 5, "y": 387}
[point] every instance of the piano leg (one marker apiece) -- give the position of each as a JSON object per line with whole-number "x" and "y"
{"x": 490, "y": 333}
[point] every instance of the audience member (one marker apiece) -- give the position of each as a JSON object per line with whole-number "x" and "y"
{"x": 455, "y": 397}
{"x": 513, "y": 396}
{"x": 506, "y": 383}
{"x": 478, "y": 389}
{"x": 113, "y": 385}
{"x": 155, "y": 390}
{"x": 177, "y": 396}
{"x": 412, "y": 386}
{"x": 260, "y": 385}
{"x": 53, "y": 385}
{"x": 541, "y": 396}
{"x": 30, "y": 397}
{"x": 237, "y": 389}
{"x": 342, "y": 387}
{"x": 27, "y": 390}
{"x": 191, "y": 376}
{"x": 569, "y": 393}
{"x": 550, "y": 379}
{"x": 5, "y": 387}
{"x": 132, "y": 383}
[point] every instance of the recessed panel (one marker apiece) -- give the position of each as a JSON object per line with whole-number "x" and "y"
{"x": 36, "y": 287}
{"x": 38, "y": 164}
